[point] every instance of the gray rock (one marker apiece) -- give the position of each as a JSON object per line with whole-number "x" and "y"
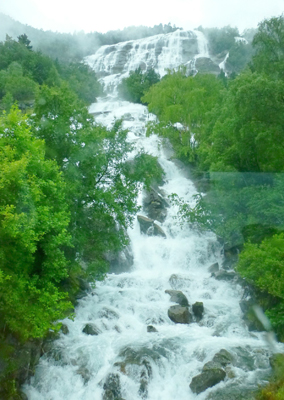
{"x": 155, "y": 205}
{"x": 64, "y": 329}
{"x": 145, "y": 223}
{"x": 207, "y": 379}
{"x": 180, "y": 315}
{"x": 213, "y": 268}
{"x": 91, "y": 329}
{"x": 206, "y": 65}
{"x": 149, "y": 227}
{"x": 223, "y": 275}
{"x": 112, "y": 388}
{"x": 211, "y": 365}
{"x": 223, "y": 357}
{"x": 151, "y": 328}
{"x": 107, "y": 313}
{"x": 120, "y": 261}
{"x": 177, "y": 297}
{"x": 84, "y": 373}
{"x": 158, "y": 231}
{"x": 198, "y": 309}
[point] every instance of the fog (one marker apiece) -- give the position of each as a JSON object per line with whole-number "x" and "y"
{"x": 88, "y": 15}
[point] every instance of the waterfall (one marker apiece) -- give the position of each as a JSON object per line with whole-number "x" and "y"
{"x": 138, "y": 352}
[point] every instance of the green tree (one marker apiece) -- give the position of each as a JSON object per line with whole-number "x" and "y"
{"x": 33, "y": 231}
{"x": 269, "y": 45}
{"x": 137, "y": 84}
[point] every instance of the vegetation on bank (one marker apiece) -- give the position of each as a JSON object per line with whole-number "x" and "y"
{"x": 67, "y": 193}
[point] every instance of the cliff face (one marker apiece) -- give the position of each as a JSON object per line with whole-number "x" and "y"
{"x": 161, "y": 52}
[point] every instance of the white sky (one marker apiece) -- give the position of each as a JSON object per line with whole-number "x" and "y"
{"x": 105, "y": 15}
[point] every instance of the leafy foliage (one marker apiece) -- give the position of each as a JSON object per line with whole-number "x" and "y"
{"x": 34, "y": 218}
{"x": 134, "y": 87}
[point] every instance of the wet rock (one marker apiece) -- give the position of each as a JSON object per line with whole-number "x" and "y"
{"x": 145, "y": 223}
{"x": 145, "y": 376}
{"x": 112, "y": 388}
{"x": 207, "y": 379}
{"x": 64, "y": 329}
{"x": 179, "y": 281}
{"x": 155, "y": 205}
{"x": 233, "y": 393}
{"x": 107, "y": 313}
{"x": 151, "y": 328}
{"x": 198, "y": 309}
{"x": 224, "y": 275}
{"x": 177, "y": 297}
{"x": 179, "y": 315}
{"x": 223, "y": 357}
{"x": 84, "y": 373}
{"x": 213, "y": 268}
{"x": 128, "y": 117}
{"x": 149, "y": 227}
{"x": 91, "y": 329}
{"x": 206, "y": 65}
{"x": 120, "y": 261}
{"x": 158, "y": 231}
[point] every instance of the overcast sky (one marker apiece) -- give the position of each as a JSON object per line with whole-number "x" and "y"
{"x": 105, "y": 15}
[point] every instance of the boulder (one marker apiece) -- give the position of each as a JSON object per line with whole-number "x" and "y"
{"x": 149, "y": 227}
{"x": 145, "y": 223}
{"x": 177, "y": 297}
{"x": 151, "y": 328}
{"x": 207, "y": 379}
{"x": 213, "y": 268}
{"x": 107, "y": 313}
{"x": 112, "y": 388}
{"x": 158, "y": 231}
{"x": 198, "y": 309}
{"x": 64, "y": 329}
{"x": 223, "y": 275}
{"x": 223, "y": 357}
{"x": 180, "y": 315}
{"x": 91, "y": 329}
{"x": 155, "y": 205}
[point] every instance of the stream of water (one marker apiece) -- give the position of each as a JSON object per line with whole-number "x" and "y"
{"x": 155, "y": 365}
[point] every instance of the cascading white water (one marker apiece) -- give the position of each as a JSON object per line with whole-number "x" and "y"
{"x": 122, "y": 306}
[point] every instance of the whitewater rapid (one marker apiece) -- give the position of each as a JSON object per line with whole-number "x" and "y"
{"x": 123, "y": 305}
